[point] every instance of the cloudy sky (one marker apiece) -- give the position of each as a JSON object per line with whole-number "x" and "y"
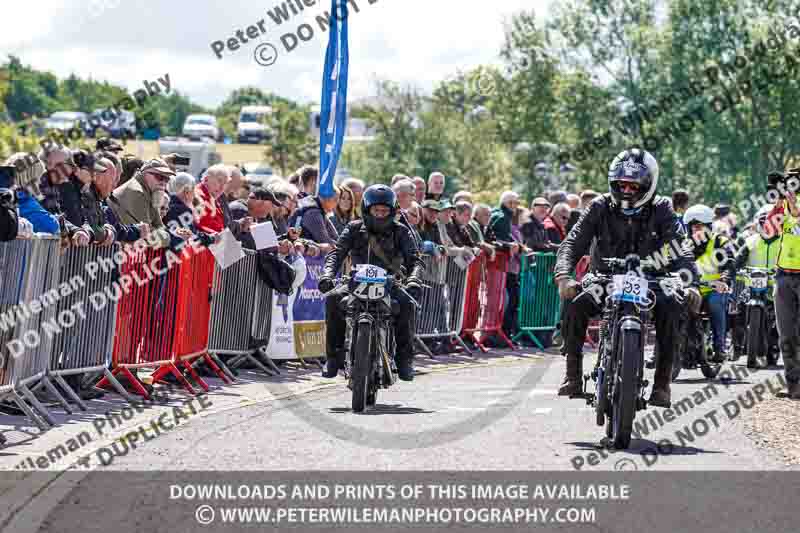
{"x": 128, "y": 41}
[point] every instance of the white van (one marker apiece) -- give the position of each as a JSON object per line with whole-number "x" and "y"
{"x": 252, "y": 125}
{"x": 202, "y": 154}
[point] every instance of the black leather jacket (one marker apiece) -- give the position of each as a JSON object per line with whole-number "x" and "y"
{"x": 354, "y": 241}
{"x": 609, "y": 233}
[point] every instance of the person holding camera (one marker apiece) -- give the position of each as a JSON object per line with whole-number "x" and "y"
{"x": 21, "y": 175}
{"x": 9, "y": 223}
{"x": 787, "y": 277}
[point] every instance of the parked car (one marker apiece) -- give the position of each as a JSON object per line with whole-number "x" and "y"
{"x": 124, "y": 125}
{"x": 198, "y": 126}
{"x": 257, "y": 174}
{"x": 64, "y": 121}
{"x": 117, "y": 124}
{"x": 251, "y": 126}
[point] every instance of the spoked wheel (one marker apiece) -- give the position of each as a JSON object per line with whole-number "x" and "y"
{"x": 625, "y": 388}
{"x": 362, "y": 371}
{"x": 601, "y": 408}
{"x": 709, "y": 369}
{"x": 756, "y": 344}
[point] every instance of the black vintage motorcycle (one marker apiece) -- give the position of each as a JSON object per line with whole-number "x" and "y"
{"x": 695, "y": 345}
{"x": 761, "y": 337}
{"x": 619, "y": 370}
{"x": 369, "y": 340}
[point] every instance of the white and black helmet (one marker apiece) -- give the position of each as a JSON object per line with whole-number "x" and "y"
{"x": 633, "y": 166}
{"x": 698, "y": 214}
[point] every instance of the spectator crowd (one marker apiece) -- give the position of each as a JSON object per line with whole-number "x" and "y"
{"x": 106, "y": 196}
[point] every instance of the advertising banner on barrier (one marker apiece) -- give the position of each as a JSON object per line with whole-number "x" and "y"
{"x": 309, "y": 312}
{"x": 281, "y": 338}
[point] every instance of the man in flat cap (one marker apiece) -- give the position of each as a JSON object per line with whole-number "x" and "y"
{"x": 134, "y": 202}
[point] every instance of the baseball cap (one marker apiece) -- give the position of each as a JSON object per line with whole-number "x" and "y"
{"x": 158, "y": 167}
{"x": 432, "y": 204}
{"x": 445, "y": 204}
{"x": 261, "y": 193}
{"x": 87, "y": 161}
{"x": 537, "y": 202}
{"x": 107, "y": 144}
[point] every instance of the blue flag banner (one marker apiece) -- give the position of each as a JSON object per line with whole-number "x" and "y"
{"x": 333, "y": 112}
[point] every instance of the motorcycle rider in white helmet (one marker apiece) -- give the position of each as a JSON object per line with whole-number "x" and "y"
{"x": 714, "y": 258}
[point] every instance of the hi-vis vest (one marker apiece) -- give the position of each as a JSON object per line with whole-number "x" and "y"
{"x": 708, "y": 264}
{"x": 789, "y": 251}
{"x": 762, "y": 255}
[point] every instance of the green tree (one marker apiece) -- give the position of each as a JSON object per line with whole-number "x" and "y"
{"x": 292, "y": 144}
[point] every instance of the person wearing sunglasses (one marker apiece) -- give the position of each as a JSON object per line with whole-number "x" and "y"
{"x": 629, "y": 219}
{"x": 135, "y": 202}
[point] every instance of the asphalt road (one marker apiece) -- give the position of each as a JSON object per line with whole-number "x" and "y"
{"x": 474, "y": 422}
{"x": 500, "y": 417}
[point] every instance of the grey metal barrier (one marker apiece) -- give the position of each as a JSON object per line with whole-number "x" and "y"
{"x": 30, "y": 272}
{"x": 240, "y": 311}
{"x": 442, "y": 302}
{"x": 86, "y": 315}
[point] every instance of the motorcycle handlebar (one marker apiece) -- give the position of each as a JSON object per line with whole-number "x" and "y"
{"x": 342, "y": 284}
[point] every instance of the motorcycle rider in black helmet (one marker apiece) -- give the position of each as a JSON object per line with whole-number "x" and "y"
{"x": 630, "y": 219}
{"x": 379, "y": 240}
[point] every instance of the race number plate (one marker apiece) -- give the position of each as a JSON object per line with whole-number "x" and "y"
{"x": 370, "y": 274}
{"x": 630, "y": 288}
{"x": 758, "y": 283}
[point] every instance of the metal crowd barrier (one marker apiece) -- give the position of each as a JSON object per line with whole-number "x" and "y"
{"x": 145, "y": 320}
{"x": 30, "y": 271}
{"x": 240, "y": 293}
{"x": 163, "y": 322}
{"x": 192, "y": 315}
{"x": 87, "y": 308}
{"x": 485, "y": 295}
{"x": 442, "y": 302}
{"x": 539, "y": 303}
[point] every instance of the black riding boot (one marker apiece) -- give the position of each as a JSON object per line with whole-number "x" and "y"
{"x": 661, "y": 395}
{"x": 405, "y": 368}
{"x": 573, "y": 382}
{"x": 333, "y": 364}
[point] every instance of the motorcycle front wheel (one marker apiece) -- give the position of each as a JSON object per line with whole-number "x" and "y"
{"x": 362, "y": 368}
{"x": 756, "y": 337}
{"x": 625, "y": 387}
{"x": 709, "y": 369}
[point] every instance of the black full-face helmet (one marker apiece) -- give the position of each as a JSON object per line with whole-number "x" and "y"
{"x": 633, "y": 166}
{"x": 378, "y": 195}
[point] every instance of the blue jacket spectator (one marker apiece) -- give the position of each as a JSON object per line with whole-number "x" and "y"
{"x": 32, "y": 210}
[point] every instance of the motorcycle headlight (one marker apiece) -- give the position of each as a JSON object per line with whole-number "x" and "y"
{"x": 744, "y": 295}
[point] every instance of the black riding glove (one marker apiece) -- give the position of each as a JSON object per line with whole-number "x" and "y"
{"x": 326, "y": 285}
{"x": 414, "y": 288}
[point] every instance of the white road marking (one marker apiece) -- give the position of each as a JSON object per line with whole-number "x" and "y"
{"x": 532, "y": 392}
